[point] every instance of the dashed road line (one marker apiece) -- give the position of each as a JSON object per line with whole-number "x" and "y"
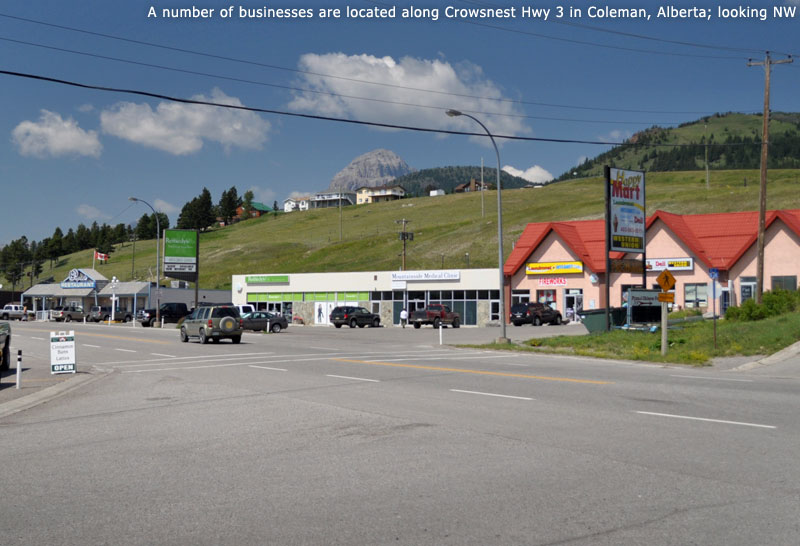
{"x": 706, "y": 419}
{"x": 126, "y": 351}
{"x": 353, "y": 378}
{"x": 92, "y": 346}
{"x": 493, "y": 394}
{"x": 159, "y": 354}
{"x": 268, "y": 368}
{"x": 714, "y": 378}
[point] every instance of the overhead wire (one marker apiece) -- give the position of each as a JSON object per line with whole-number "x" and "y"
{"x": 330, "y": 118}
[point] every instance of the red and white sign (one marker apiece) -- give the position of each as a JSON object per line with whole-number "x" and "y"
{"x": 100, "y": 256}
{"x": 553, "y": 281}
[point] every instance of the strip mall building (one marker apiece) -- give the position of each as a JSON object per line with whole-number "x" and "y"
{"x": 563, "y": 263}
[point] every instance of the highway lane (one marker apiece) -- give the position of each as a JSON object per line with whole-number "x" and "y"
{"x": 376, "y": 436}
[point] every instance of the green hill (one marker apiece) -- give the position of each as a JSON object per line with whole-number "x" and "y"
{"x": 419, "y": 183}
{"x": 445, "y": 227}
{"x": 734, "y": 142}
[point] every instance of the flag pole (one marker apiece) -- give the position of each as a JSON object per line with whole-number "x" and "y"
{"x": 94, "y": 257}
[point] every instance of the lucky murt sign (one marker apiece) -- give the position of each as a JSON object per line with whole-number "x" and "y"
{"x": 62, "y": 352}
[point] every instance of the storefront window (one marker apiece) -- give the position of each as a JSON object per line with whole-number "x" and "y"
{"x": 520, "y": 296}
{"x": 695, "y": 295}
{"x": 784, "y": 282}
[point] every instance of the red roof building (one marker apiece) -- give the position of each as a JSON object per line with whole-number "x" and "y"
{"x": 564, "y": 262}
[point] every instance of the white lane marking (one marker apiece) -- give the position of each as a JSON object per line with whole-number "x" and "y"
{"x": 187, "y": 368}
{"x": 493, "y": 394}
{"x": 38, "y": 338}
{"x": 159, "y": 354}
{"x": 156, "y": 361}
{"x": 126, "y": 350}
{"x": 92, "y": 346}
{"x": 704, "y": 419}
{"x": 266, "y": 368}
{"x": 353, "y": 378}
{"x": 714, "y": 378}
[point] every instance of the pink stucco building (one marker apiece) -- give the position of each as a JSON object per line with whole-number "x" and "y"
{"x": 564, "y": 262}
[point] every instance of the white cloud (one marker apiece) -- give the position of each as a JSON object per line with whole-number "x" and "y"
{"x": 262, "y": 195}
{"x": 91, "y": 213}
{"x": 447, "y": 80}
{"x": 582, "y": 159}
{"x": 85, "y": 108}
{"x": 535, "y": 174}
{"x": 54, "y": 136}
{"x": 298, "y": 195}
{"x": 617, "y": 135}
{"x": 181, "y": 129}
{"x": 162, "y": 206}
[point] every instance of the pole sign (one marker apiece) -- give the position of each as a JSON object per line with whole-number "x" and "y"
{"x": 627, "y": 211}
{"x": 180, "y": 254}
{"x": 62, "y": 352}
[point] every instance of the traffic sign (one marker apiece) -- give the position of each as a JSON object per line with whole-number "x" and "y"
{"x": 666, "y": 297}
{"x": 714, "y": 273}
{"x": 666, "y": 281}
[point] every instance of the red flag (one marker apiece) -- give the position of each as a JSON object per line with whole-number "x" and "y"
{"x": 100, "y": 256}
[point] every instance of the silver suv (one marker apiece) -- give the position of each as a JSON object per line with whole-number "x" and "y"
{"x": 213, "y": 322}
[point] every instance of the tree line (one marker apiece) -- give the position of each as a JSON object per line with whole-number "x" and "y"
{"x": 25, "y": 258}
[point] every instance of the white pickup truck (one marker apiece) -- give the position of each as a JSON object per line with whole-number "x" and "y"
{"x": 13, "y": 311}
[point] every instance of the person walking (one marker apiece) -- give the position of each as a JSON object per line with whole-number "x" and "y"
{"x": 403, "y": 317}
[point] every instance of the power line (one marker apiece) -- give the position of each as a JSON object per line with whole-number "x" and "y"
{"x": 317, "y": 91}
{"x": 354, "y": 80}
{"x": 327, "y": 118}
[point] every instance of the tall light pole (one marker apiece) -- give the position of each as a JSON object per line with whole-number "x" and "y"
{"x": 158, "y": 276}
{"x": 503, "y": 338}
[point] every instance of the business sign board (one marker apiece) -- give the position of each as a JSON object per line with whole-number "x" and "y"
{"x": 553, "y": 268}
{"x": 643, "y": 306}
{"x": 62, "y": 352}
{"x": 675, "y": 264}
{"x": 266, "y": 279}
{"x": 426, "y": 276}
{"x": 77, "y": 278}
{"x": 627, "y": 265}
{"x": 627, "y": 211}
{"x": 181, "y": 249}
{"x": 552, "y": 281}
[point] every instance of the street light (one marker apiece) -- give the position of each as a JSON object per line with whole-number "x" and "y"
{"x": 114, "y": 284}
{"x": 503, "y": 338}
{"x": 158, "y": 234}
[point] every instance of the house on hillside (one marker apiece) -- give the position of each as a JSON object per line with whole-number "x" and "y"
{"x": 378, "y": 194}
{"x": 473, "y": 185}
{"x": 257, "y": 210}
{"x": 295, "y": 203}
{"x": 327, "y": 199}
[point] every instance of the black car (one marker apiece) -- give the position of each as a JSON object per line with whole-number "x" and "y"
{"x": 354, "y": 316}
{"x": 264, "y": 320}
{"x": 534, "y": 313}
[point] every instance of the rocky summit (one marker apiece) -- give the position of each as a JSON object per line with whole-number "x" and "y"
{"x": 376, "y": 168}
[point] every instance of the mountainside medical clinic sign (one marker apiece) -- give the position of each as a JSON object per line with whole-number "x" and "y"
{"x": 180, "y": 254}
{"x": 627, "y": 211}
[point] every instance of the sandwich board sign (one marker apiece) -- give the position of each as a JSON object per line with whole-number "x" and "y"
{"x": 62, "y": 352}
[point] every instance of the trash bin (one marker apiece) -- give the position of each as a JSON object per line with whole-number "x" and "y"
{"x": 595, "y": 319}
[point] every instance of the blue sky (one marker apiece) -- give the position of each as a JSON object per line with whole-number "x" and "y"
{"x": 71, "y": 155}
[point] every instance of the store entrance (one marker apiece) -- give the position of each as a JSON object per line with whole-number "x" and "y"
{"x": 573, "y": 303}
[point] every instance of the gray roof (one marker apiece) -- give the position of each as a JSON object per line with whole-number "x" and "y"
{"x": 55, "y": 290}
{"x": 126, "y": 289}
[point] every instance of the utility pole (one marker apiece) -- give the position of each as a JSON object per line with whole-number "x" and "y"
{"x": 404, "y": 236}
{"x": 762, "y": 205}
{"x": 705, "y": 134}
{"x": 483, "y": 213}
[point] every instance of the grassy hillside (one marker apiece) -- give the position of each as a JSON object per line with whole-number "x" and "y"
{"x": 444, "y": 227}
{"x": 737, "y": 136}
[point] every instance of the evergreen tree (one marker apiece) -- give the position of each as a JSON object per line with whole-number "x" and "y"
{"x": 205, "y": 210}
{"x": 247, "y": 204}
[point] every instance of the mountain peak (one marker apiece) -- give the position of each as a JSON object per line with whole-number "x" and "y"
{"x": 375, "y": 168}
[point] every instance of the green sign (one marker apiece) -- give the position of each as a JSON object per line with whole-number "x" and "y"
{"x": 262, "y": 279}
{"x": 180, "y": 254}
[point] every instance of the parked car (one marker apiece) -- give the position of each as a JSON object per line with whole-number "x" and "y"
{"x": 68, "y": 313}
{"x": 169, "y": 312}
{"x": 354, "y": 316}
{"x": 213, "y": 322}
{"x": 264, "y": 320}
{"x": 245, "y": 308}
{"x": 534, "y": 313}
{"x": 5, "y": 346}
{"x": 101, "y": 313}
{"x": 435, "y": 314}
{"x": 12, "y": 311}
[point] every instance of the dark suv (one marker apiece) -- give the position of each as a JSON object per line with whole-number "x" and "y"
{"x": 534, "y": 313}
{"x": 213, "y": 322}
{"x": 354, "y": 316}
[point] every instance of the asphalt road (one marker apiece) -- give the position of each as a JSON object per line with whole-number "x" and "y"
{"x": 325, "y": 436}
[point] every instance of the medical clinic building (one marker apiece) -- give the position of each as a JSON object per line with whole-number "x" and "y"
{"x": 473, "y": 293}
{"x": 563, "y": 263}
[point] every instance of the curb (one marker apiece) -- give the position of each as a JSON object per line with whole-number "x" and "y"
{"x": 784, "y": 354}
{"x": 49, "y": 393}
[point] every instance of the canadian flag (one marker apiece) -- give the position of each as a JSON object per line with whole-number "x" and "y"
{"x": 100, "y": 256}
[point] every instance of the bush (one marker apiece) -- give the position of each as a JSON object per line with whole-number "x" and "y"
{"x": 778, "y": 302}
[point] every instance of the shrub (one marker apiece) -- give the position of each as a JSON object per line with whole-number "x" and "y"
{"x": 778, "y": 302}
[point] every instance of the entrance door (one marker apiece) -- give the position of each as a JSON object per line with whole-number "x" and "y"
{"x": 573, "y": 303}
{"x": 274, "y": 307}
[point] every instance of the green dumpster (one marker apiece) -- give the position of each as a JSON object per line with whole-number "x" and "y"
{"x": 595, "y": 319}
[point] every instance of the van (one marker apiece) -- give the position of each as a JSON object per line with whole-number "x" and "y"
{"x": 246, "y": 308}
